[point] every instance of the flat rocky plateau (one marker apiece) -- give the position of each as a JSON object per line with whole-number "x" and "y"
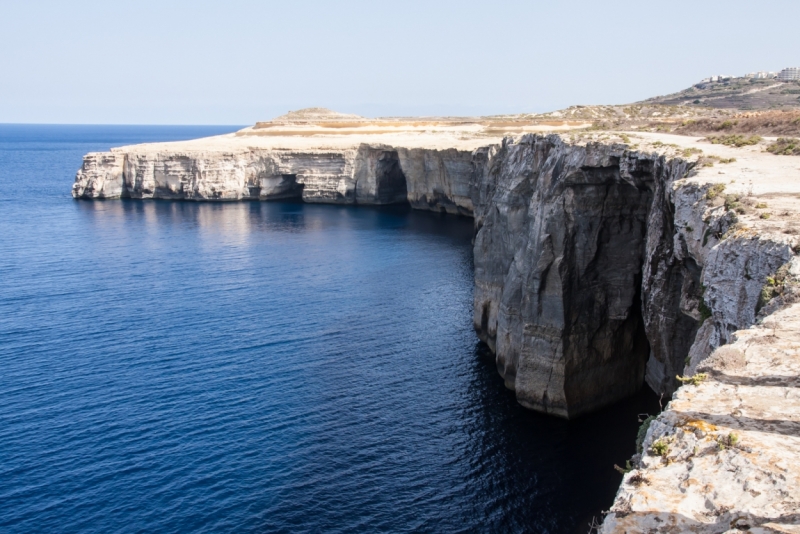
{"x": 603, "y": 261}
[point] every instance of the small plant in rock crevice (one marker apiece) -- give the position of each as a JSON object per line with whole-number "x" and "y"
{"x": 642, "y": 433}
{"x": 659, "y": 448}
{"x": 773, "y": 287}
{"x": 624, "y": 470}
{"x": 693, "y": 380}
{"x": 729, "y": 441}
{"x": 702, "y": 307}
{"x": 705, "y": 311}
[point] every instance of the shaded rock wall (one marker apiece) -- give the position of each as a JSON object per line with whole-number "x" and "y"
{"x": 438, "y": 180}
{"x": 562, "y": 235}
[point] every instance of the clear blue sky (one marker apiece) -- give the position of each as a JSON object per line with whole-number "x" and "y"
{"x": 239, "y": 61}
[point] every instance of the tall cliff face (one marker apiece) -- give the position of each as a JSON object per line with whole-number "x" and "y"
{"x": 563, "y": 233}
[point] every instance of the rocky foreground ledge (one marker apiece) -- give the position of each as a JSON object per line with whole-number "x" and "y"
{"x": 602, "y": 261}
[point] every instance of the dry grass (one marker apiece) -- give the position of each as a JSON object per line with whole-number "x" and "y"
{"x": 772, "y": 123}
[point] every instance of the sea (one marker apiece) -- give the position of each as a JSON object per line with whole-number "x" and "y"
{"x": 191, "y": 367}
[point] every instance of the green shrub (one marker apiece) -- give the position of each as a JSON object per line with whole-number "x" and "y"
{"x": 714, "y": 191}
{"x": 736, "y": 140}
{"x": 732, "y": 202}
{"x": 773, "y": 287}
{"x": 785, "y": 146}
{"x": 705, "y": 311}
{"x": 731, "y": 440}
{"x": 693, "y": 380}
{"x": 659, "y": 447}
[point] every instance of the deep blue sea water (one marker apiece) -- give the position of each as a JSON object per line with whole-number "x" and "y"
{"x": 260, "y": 367}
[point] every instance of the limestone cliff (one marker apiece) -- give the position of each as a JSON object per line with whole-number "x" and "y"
{"x": 559, "y": 254}
{"x": 366, "y": 174}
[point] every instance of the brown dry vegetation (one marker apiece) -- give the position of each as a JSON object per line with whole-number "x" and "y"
{"x": 771, "y": 123}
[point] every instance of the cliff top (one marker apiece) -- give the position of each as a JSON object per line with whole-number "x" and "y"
{"x": 314, "y": 115}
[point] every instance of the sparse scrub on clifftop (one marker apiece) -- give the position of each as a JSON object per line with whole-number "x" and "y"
{"x": 777, "y": 123}
{"x": 735, "y": 140}
{"x": 714, "y": 191}
{"x": 773, "y": 287}
{"x": 785, "y": 146}
{"x": 694, "y": 380}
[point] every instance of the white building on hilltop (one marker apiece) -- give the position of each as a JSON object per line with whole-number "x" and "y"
{"x": 761, "y": 75}
{"x": 790, "y": 74}
{"x": 716, "y": 78}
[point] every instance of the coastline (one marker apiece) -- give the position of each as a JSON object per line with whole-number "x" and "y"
{"x": 702, "y": 264}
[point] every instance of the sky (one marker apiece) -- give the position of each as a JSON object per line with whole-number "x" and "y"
{"x": 238, "y": 61}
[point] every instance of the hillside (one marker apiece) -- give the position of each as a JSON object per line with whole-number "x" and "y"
{"x": 735, "y": 93}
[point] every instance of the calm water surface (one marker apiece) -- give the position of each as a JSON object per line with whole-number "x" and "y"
{"x": 260, "y": 367}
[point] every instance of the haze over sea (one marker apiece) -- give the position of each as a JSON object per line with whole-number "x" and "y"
{"x": 260, "y": 367}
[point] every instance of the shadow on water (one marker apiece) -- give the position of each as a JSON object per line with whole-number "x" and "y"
{"x": 550, "y": 464}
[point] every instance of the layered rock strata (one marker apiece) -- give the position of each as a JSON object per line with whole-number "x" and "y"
{"x": 440, "y": 180}
{"x": 362, "y": 175}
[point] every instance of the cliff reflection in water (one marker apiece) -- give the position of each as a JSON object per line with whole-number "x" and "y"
{"x": 278, "y": 367}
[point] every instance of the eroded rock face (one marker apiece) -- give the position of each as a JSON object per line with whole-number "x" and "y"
{"x": 100, "y": 176}
{"x": 437, "y": 180}
{"x": 561, "y": 241}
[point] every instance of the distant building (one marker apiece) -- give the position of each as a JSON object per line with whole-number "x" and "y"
{"x": 760, "y": 75}
{"x": 716, "y": 78}
{"x": 789, "y": 75}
